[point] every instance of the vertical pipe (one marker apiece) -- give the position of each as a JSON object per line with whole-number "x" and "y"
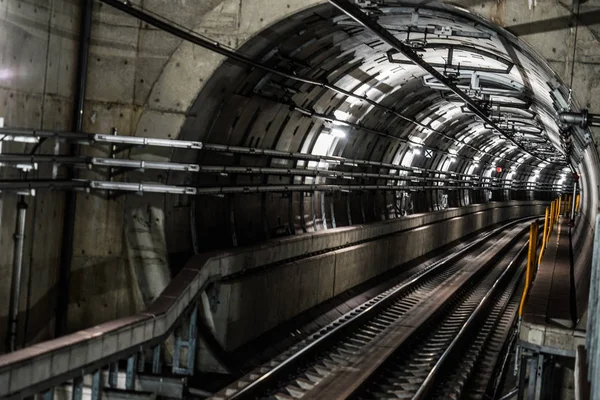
{"x": 573, "y": 204}
{"x": 15, "y": 289}
{"x": 533, "y": 245}
{"x": 70, "y": 199}
{"x": 551, "y": 220}
{"x": 530, "y": 264}
{"x": 544, "y": 237}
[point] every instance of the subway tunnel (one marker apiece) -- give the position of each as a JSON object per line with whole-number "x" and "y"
{"x": 215, "y": 191}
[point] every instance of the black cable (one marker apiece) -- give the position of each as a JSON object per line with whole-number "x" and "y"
{"x": 574, "y": 50}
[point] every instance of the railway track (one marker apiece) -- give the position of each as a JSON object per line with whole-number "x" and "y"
{"x": 398, "y": 344}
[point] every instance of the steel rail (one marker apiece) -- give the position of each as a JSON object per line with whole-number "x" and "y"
{"x": 429, "y": 381}
{"x": 262, "y": 382}
{"x": 218, "y": 48}
{"x": 354, "y": 12}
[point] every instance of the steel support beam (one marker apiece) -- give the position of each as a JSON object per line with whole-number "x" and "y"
{"x": 354, "y": 12}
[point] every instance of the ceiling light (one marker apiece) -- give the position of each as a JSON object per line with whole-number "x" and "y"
{"x": 415, "y": 139}
{"x": 341, "y": 115}
{"x": 338, "y": 133}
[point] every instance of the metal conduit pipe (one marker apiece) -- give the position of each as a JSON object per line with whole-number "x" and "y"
{"x": 165, "y": 25}
{"x": 310, "y": 157}
{"x": 20, "y": 159}
{"x": 15, "y": 288}
{"x": 33, "y": 136}
{"x": 26, "y": 186}
{"x": 31, "y": 161}
{"x": 66, "y": 253}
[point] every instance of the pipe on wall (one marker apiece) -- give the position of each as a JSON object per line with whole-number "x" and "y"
{"x": 62, "y": 301}
{"x": 15, "y": 288}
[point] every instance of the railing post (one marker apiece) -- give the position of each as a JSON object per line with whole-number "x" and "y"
{"x": 544, "y": 237}
{"x": 113, "y": 374}
{"x": 141, "y": 364}
{"x": 130, "y": 374}
{"x": 156, "y": 360}
{"x": 48, "y": 394}
{"x": 96, "y": 385}
{"x": 190, "y": 344}
{"x": 77, "y": 392}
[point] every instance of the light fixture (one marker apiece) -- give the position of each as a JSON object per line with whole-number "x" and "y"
{"x": 338, "y": 133}
{"x": 416, "y": 152}
{"x": 341, "y": 115}
{"x": 452, "y": 159}
{"x": 415, "y": 140}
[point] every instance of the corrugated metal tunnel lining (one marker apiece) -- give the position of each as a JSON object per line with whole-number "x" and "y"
{"x": 409, "y": 120}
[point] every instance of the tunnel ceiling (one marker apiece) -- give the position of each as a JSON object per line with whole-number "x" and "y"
{"x": 317, "y": 103}
{"x": 410, "y": 118}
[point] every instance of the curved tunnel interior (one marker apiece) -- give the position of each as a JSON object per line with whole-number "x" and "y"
{"x": 380, "y": 138}
{"x": 254, "y": 181}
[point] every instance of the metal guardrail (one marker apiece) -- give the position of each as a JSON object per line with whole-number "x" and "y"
{"x": 42, "y": 366}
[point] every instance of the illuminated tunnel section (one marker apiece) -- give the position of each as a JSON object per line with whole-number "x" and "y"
{"x": 419, "y": 147}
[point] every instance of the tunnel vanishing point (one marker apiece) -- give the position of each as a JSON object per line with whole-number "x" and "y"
{"x": 285, "y": 199}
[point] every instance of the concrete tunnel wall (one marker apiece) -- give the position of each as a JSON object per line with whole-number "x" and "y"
{"x": 144, "y": 82}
